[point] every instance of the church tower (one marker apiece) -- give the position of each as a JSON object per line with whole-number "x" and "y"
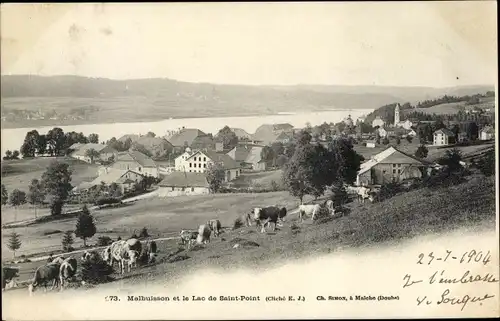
{"x": 396, "y": 115}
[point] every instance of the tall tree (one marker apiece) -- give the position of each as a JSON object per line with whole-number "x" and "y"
{"x": 56, "y": 141}
{"x": 85, "y": 225}
{"x": 472, "y": 130}
{"x": 17, "y": 198}
{"x": 14, "y": 242}
{"x": 67, "y": 241}
{"x": 36, "y": 194}
{"x": 28, "y": 149}
{"x": 345, "y": 161}
{"x": 8, "y": 155}
{"x": 41, "y": 145}
{"x": 94, "y": 138}
{"x": 215, "y": 177}
{"x": 92, "y": 154}
{"x": 303, "y": 137}
{"x": 56, "y": 181}
{"x": 304, "y": 174}
{"x": 151, "y": 134}
{"x": 5, "y": 195}
{"x": 227, "y": 137}
{"x": 267, "y": 154}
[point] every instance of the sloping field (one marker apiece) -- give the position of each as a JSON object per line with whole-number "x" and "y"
{"x": 470, "y": 205}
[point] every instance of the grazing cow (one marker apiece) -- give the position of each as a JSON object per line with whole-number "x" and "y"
{"x": 311, "y": 210}
{"x": 123, "y": 252}
{"x": 203, "y": 234}
{"x": 363, "y": 193}
{"x": 150, "y": 251}
{"x": 129, "y": 259}
{"x": 45, "y": 274}
{"x": 188, "y": 236}
{"x": 267, "y": 215}
{"x": 133, "y": 244}
{"x": 8, "y": 273}
{"x": 215, "y": 226}
{"x": 330, "y": 206}
{"x": 67, "y": 270}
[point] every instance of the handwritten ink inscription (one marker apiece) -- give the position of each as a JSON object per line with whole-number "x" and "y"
{"x": 465, "y": 257}
{"x": 443, "y": 277}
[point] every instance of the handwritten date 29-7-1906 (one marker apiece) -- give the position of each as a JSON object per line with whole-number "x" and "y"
{"x": 472, "y": 256}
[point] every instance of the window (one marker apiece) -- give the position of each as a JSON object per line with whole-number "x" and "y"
{"x": 194, "y": 165}
{"x": 204, "y": 159}
{"x": 190, "y": 165}
{"x": 190, "y": 171}
{"x": 393, "y": 165}
{"x": 173, "y": 188}
{"x": 394, "y": 171}
{"x": 204, "y": 165}
{"x": 139, "y": 168}
{"x": 195, "y": 159}
{"x": 399, "y": 165}
{"x": 399, "y": 171}
{"x": 192, "y": 189}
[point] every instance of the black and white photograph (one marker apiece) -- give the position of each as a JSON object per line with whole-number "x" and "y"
{"x": 249, "y": 160}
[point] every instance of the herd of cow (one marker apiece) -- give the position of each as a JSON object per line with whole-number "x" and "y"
{"x": 126, "y": 253}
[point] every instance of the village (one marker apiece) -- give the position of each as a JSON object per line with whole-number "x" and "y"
{"x": 141, "y": 172}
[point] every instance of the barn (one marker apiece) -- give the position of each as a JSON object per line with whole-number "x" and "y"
{"x": 183, "y": 183}
{"x": 390, "y": 165}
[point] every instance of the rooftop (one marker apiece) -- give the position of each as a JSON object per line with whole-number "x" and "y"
{"x": 184, "y": 179}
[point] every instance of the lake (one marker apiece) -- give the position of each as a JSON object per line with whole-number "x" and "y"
{"x": 13, "y": 138}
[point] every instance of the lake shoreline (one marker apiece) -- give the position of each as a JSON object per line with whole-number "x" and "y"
{"x": 26, "y": 124}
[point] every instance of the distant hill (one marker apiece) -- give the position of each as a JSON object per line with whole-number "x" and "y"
{"x": 101, "y": 100}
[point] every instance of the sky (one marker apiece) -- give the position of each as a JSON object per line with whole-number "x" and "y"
{"x": 435, "y": 44}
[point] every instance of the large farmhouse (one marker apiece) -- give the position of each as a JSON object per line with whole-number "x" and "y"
{"x": 390, "y": 165}
{"x": 199, "y": 161}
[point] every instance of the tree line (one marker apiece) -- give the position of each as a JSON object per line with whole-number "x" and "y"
{"x": 55, "y": 143}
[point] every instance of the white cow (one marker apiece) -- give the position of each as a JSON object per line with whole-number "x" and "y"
{"x": 311, "y": 210}
{"x": 363, "y": 193}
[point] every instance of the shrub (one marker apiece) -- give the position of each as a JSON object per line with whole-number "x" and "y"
{"x": 238, "y": 222}
{"x": 389, "y": 190}
{"x": 67, "y": 241}
{"x": 96, "y": 272}
{"x": 107, "y": 200}
{"x": 144, "y": 233}
{"x": 104, "y": 241}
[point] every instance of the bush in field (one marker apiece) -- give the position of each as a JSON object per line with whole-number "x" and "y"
{"x": 144, "y": 233}
{"x": 107, "y": 200}
{"x": 487, "y": 163}
{"x": 389, "y": 190}
{"x": 95, "y": 272}
{"x": 67, "y": 241}
{"x": 238, "y": 222}
{"x": 104, "y": 241}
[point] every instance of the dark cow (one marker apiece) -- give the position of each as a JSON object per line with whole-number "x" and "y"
{"x": 151, "y": 251}
{"x": 215, "y": 226}
{"x": 266, "y": 215}
{"x": 67, "y": 270}
{"x": 282, "y": 214}
{"x": 8, "y": 273}
{"x": 45, "y": 274}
